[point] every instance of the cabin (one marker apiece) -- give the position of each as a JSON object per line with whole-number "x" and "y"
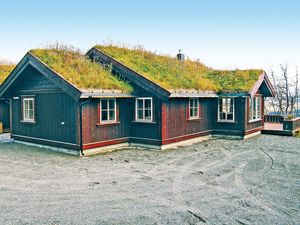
{"x": 4, "y": 103}
{"x": 116, "y": 97}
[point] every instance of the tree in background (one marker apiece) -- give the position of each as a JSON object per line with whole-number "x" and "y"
{"x": 287, "y": 94}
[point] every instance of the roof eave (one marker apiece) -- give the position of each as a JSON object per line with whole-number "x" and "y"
{"x": 262, "y": 78}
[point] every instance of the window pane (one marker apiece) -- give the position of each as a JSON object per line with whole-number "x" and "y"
{"x": 221, "y": 108}
{"x": 231, "y": 105}
{"x": 111, "y": 104}
{"x": 195, "y": 112}
{"x": 140, "y": 103}
{"x": 140, "y": 114}
{"x": 30, "y": 115}
{"x": 191, "y": 103}
{"x": 224, "y": 106}
{"x": 196, "y": 102}
{"x": 147, "y": 104}
{"x": 111, "y": 114}
{"x": 250, "y": 108}
{"x": 103, "y": 104}
{"x": 222, "y": 116}
{"x": 148, "y": 114}
{"x": 230, "y": 116}
{"x": 104, "y": 115}
{"x": 258, "y": 107}
{"x": 25, "y": 114}
{"x": 254, "y": 108}
{"x": 30, "y": 104}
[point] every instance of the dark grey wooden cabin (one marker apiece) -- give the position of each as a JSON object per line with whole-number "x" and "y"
{"x": 67, "y": 118}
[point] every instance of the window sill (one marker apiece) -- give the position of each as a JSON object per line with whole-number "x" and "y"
{"x": 253, "y": 121}
{"x": 28, "y": 122}
{"x": 107, "y": 124}
{"x": 143, "y": 121}
{"x": 225, "y": 121}
{"x": 194, "y": 119}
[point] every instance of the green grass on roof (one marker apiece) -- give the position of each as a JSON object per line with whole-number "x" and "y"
{"x": 78, "y": 70}
{"x": 5, "y": 71}
{"x": 170, "y": 73}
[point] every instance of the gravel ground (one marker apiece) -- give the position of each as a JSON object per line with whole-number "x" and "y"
{"x": 256, "y": 181}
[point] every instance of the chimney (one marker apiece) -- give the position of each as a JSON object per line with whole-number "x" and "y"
{"x": 180, "y": 56}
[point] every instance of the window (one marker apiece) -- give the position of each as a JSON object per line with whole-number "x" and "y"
{"x": 108, "y": 110}
{"x": 194, "y": 108}
{"x": 144, "y": 109}
{"x": 226, "y": 109}
{"x": 28, "y": 109}
{"x": 255, "y": 108}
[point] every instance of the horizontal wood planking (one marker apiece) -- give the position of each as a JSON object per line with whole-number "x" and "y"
{"x": 254, "y": 130}
{"x": 46, "y": 142}
{"x": 105, "y": 143}
{"x": 186, "y": 137}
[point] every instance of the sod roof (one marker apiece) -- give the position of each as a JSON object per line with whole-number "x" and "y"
{"x": 5, "y": 71}
{"x": 79, "y": 71}
{"x": 170, "y": 73}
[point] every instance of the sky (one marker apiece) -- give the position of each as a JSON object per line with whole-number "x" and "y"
{"x": 223, "y": 34}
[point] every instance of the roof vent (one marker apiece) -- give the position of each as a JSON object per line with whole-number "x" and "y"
{"x": 180, "y": 56}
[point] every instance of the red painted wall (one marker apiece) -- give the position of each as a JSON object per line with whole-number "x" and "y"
{"x": 176, "y": 125}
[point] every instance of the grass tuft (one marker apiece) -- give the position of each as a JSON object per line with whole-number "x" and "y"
{"x": 78, "y": 70}
{"x": 171, "y": 73}
{"x": 5, "y": 71}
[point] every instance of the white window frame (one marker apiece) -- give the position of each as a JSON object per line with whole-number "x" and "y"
{"x": 107, "y": 111}
{"x": 233, "y": 109}
{"x": 191, "y": 108}
{"x": 258, "y": 110}
{"x": 136, "y": 109}
{"x": 24, "y": 115}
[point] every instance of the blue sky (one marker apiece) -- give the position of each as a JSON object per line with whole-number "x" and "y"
{"x": 223, "y": 34}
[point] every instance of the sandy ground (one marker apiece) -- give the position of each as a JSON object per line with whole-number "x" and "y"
{"x": 256, "y": 181}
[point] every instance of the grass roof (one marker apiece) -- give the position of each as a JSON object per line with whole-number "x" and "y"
{"x": 78, "y": 70}
{"x": 171, "y": 73}
{"x": 5, "y": 71}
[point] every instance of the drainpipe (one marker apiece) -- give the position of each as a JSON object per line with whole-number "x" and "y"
{"x": 80, "y": 123}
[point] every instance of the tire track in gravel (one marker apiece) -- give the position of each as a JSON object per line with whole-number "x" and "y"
{"x": 178, "y": 180}
{"x": 261, "y": 201}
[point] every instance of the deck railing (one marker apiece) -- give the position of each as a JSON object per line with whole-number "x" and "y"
{"x": 273, "y": 118}
{"x": 293, "y": 124}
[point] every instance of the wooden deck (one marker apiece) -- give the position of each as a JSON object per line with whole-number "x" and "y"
{"x": 276, "y": 129}
{"x": 273, "y": 126}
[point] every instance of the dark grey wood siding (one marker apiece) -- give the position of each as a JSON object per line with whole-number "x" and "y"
{"x": 56, "y": 113}
{"x": 5, "y": 114}
{"x": 230, "y": 128}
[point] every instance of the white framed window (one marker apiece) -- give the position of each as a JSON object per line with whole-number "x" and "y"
{"x": 226, "y": 109}
{"x": 144, "y": 109}
{"x": 255, "y": 108}
{"x": 194, "y": 108}
{"x": 28, "y": 109}
{"x": 108, "y": 110}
